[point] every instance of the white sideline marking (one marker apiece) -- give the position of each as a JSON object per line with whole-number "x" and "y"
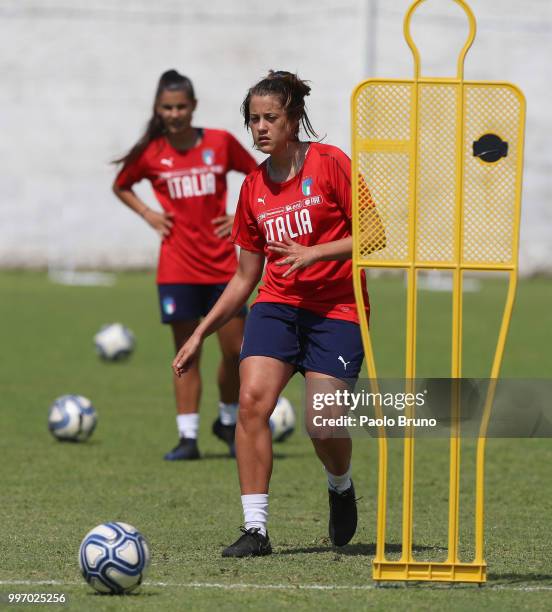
{"x": 282, "y": 587}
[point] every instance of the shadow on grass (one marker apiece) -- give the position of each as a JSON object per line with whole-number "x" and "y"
{"x": 277, "y": 456}
{"x": 511, "y": 578}
{"x": 139, "y": 593}
{"x": 368, "y": 550}
{"x": 77, "y": 443}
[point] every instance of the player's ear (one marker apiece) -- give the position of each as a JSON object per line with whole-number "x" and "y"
{"x": 293, "y": 128}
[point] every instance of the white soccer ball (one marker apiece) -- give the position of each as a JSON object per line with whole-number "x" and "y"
{"x": 114, "y": 558}
{"x": 114, "y": 342}
{"x": 282, "y": 420}
{"x": 72, "y": 417}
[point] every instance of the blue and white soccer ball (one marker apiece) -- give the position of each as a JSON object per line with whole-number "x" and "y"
{"x": 282, "y": 420}
{"x": 114, "y": 342}
{"x": 114, "y": 558}
{"x": 72, "y": 417}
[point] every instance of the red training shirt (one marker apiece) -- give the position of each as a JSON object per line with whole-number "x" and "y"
{"x": 192, "y": 185}
{"x": 312, "y": 208}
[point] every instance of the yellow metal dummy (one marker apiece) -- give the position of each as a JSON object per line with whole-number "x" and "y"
{"x": 442, "y": 159}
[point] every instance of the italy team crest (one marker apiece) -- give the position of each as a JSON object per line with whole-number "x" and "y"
{"x": 208, "y": 156}
{"x": 169, "y": 305}
{"x": 306, "y": 186}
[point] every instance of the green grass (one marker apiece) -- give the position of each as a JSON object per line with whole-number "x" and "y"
{"x": 52, "y": 493}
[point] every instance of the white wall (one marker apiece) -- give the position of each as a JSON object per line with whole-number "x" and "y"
{"x": 78, "y": 81}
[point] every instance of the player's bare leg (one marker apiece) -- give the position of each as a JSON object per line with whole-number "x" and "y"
{"x": 262, "y": 380}
{"x": 187, "y": 389}
{"x": 230, "y": 338}
{"x": 334, "y": 448}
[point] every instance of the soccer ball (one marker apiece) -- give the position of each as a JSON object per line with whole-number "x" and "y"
{"x": 282, "y": 420}
{"x": 114, "y": 558}
{"x": 114, "y": 342}
{"x": 72, "y": 417}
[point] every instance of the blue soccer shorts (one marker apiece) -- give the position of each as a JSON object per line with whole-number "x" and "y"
{"x": 304, "y": 339}
{"x": 184, "y": 302}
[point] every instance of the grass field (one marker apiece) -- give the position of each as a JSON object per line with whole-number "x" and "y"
{"x": 52, "y": 493}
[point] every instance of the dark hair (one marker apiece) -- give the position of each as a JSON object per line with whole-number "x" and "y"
{"x": 170, "y": 80}
{"x": 290, "y": 90}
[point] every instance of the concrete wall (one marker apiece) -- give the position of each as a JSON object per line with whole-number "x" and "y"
{"x": 78, "y": 81}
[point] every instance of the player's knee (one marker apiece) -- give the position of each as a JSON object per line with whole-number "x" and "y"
{"x": 193, "y": 371}
{"x": 320, "y": 435}
{"x": 253, "y": 405}
{"x": 316, "y": 434}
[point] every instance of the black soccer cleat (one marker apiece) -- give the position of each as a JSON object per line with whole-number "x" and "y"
{"x": 185, "y": 450}
{"x": 226, "y": 433}
{"x": 252, "y": 543}
{"x": 343, "y": 516}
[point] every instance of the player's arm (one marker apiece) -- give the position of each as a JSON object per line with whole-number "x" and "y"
{"x": 297, "y": 256}
{"x": 338, "y": 250}
{"x": 240, "y": 287}
{"x": 161, "y": 222}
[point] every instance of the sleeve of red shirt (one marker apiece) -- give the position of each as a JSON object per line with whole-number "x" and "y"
{"x": 238, "y": 158}
{"x": 131, "y": 173}
{"x": 245, "y": 232}
{"x": 340, "y": 180}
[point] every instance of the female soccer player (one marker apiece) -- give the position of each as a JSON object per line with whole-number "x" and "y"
{"x": 187, "y": 167}
{"x": 294, "y": 211}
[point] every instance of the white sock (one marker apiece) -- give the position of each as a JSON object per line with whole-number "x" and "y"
{"x": 339, "y": 483}
{"x": 255, "y": 511}
{"x": 187, "y": 425}
{"x": 228, "y": 413}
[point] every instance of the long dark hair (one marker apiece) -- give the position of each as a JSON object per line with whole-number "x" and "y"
{"x": 291, "y": 92}
{"x": 170, "y": 80}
